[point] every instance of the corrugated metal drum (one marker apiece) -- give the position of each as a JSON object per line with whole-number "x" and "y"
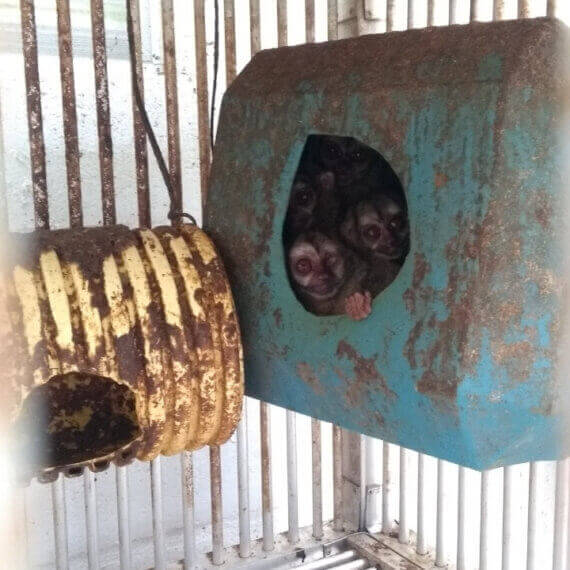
{"x": 123, "y": 344}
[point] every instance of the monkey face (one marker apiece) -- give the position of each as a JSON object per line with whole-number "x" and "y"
{"x": 346, "y": 158}
{"x": 378, "y": 226}
{"x": 302, "y": 205}
{"x": 317, "y": 265}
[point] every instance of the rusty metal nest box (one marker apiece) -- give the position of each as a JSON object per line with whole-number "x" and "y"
{"x": 118, "y": 344}
{"x": 463, "y": 354}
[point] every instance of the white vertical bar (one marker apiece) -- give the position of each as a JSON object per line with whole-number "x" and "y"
{"x": 561, "y": 516}
{"x": 91, "y": 519}
{"x": 431, "y": 13}
{"x": 363, "y": 484}
{"x": 453, "y": 11}
{"x": 461, "y": 514}
{"x": 217, "y": 510}
{"x": 390, "y": 9}
{"x": 421, "y": 544}
{"x": 187, "y": 468}
{"x": 121, "y": 475}
{"x": 410, "y": 14}
{"x": 60, "y": 523}
{"x": 404, "y": 531}
{"x": 533, "y": 546}
{"x": 157, "y": 514}
{"x": 440, "y": 548}
{"x": 523, "y": 8}
{"x": 387, "y": 490}
{"x": 337, "y": 477}
{"x": 473, "y": 11}
{"x": 317, "y": 479}
{"x": 373, "y": 484}
{"x": 266, "y": 490}
{"x": 17, "y": 541}
{"x": 484, "y": 562}
{"x": 243, "y": 486}
{"x": 498, "y": 9}
{"x": 292, "y": 491}
{"x": 508, "y": 475}
{"x": 332, "y": 19}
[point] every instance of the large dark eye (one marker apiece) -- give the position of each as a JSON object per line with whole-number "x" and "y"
{"x": 332, "y": 260}
{"x": 372, "y": 232}
{"x": 304, "y": 198}
{"x": 333, "y": 149}
{"x": 397, "y": 223}
{"x": 304, "y": 266}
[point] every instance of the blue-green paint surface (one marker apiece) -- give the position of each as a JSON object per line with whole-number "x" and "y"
{"x": 459, "y": 358}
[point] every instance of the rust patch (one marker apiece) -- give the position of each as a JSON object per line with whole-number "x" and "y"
{"x": 307, "y": 374}
{"x": 543, "y": 210}
{"x": 440, "y": 180}
{"x": 518, "y": 356}
{"x": 433, "y": 385}
{"x": 278, "y": 316}
{"x": 366, "y": 376}
{"x": 421, "y": 269}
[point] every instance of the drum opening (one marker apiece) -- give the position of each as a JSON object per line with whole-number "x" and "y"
{"x": 72, "y": 418}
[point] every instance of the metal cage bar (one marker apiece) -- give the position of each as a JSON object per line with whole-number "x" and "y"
{"x": 332, "y": 19}
{"x": 551, "y": 8}
{"x": 171, "y": 95}
{"x": 217, "y": 508}
{"x": 387, "y": 490}
{"x": 69, "y": 113}
{"x": 498, "y": 9}
{"x": 453, "y": 6}
{"x": 431, "y": 13}
{"x": 337, "y": 478}
{"x": 243, "y": 487}
{"x": 60, "y": 523}
{"x": 292, "y": 484}
{"x": 461, "y": 562}
{"x": 266, "y": 491}
{"x": 204, "y": 152}
{"x": 34, "y": 108}
{"x": 404, "y": 530}
{"x": 390, "y": 6}
{"x": 141, "y": 157}
{"x": 121, "y": 478}
{"x": 189, "y": 538}
{"x": 422, "y": 511}
{"x": 317, "y": 479}
{"x": 91, "y": 524}
{"x": 560, "y": 541}
{"x": 533, "y": 522}
{"x": 157, "y": 514}
{"x": 103, "y": 112}
{"x": 484, "y": 562}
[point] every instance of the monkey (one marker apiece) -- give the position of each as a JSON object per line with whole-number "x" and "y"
{"x": 312, "y": 204}
{"x": 349, "y": 160}
{"x": 359, "y": 171}
{"x": 327, "y": 278}
{"x": 378, "y": 229}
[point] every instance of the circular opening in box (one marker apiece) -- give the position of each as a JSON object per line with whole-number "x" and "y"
{"x": 346, "y": 232}
{"x": 72, "y": 418}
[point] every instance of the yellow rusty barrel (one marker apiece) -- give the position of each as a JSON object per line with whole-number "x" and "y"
{"x": 124, "y": 343}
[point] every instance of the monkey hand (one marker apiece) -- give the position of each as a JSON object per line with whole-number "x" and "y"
{"x": 358, "y": 305}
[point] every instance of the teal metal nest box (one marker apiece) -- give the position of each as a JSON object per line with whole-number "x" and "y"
{"x": 463, "y": 355}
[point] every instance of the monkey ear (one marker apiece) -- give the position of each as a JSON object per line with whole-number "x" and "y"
{"x": 326, "y": 180}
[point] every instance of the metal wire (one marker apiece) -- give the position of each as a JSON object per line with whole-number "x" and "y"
{"x": 174, "y": 214}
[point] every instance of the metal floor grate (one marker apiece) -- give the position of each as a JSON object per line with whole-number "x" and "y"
{"x": 358, "y": 551}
